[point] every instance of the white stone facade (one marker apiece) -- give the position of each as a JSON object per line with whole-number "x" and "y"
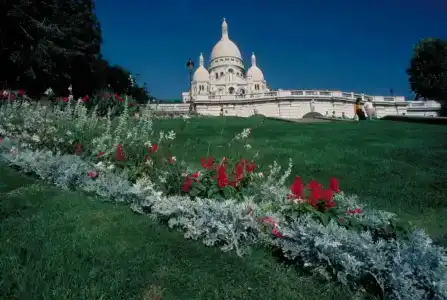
{"x": 225, "y": 88}
{"x": 226, "y": 75}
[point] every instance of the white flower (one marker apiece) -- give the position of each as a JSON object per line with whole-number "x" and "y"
{"x": 248, "y": 146}
{"x": 171, "y": 135}
{"x": 111, "y": 167}
{"x": 49, "y": 91}
{"x": 260, "y": 175}
{"x": 172, "y": 159}
{"x": 100, "y": 165}
{"x": 69, "y": 133}
{"x": 70, "y": 88}
{"x": 244, "y": 134}
{"x": 35, "y": 138}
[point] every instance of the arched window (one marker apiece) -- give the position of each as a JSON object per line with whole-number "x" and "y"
{"x": 242, "y": 92}
{"x": 230, "y": 71}
{"x": 217, "y": 76}
{"x": 231, "y": 90}
{"x": 221, "y": 74}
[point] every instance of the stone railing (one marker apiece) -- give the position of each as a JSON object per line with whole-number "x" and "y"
{"x": 294, "y": 94}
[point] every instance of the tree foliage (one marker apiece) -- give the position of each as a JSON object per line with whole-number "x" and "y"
{"x": 428, "y": 70}
{"x": 55, "y": 43}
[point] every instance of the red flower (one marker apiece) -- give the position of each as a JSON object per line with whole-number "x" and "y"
{"x": 326, "y": 195}
{"x": 297, "y": 188}
{"x": 92, "y": 174}
{"x": 187, "y": 184}
{"x": 100, "y": 154}
{"x": 153, "y": 148}
{"x": 21, "y": 92}
{"x": 330, "y": 204}
{"x": 65, "y": 99}
{"x": 118, "y": 97}
{"x": 189, "y": 180}
{"x": 239, "y": 171}
{"x": 354, "y": 211}
{"x": 195, "y": 176}
{"x": 85, "y": 98}
{"x": 333, "y": 185}
{"x": 313, "y": 184}
{"x": 222, "y": 178}
{"x": 207, "y": 162}
{"x": 119, "y": 154}
{"x": 171, "y": 160}
{"x": 276, "y": 232}
{"x": 250, "y": 167}
{"x": 315, "y": 195}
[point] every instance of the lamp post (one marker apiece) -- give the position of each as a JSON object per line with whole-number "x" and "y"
{"x": 190, "y": 67}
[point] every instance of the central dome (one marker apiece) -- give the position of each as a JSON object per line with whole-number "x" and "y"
{"x": 225, "y": 47}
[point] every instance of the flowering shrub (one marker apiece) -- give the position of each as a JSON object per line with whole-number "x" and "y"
{"x": 228, "y": 202}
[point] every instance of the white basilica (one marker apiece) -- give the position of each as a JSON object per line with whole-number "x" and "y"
{"x": 225, "y": 87}
{"x": 226, "y": 73}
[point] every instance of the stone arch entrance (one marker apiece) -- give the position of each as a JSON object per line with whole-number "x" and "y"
{"x": 312, "y": 115}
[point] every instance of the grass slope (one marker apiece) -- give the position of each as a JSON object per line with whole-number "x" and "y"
{"x": 61, "y": 245}
{"x": 394, "y": 166}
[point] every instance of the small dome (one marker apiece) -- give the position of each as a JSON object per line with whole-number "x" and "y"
{"x": 201, "y": 74}
{"x": 254, "y": 72}
{"x": 225, "y": 47}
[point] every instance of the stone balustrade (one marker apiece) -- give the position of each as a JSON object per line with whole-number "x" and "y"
{"x": 292, "y": 94}
{"x": 294, "y": 104}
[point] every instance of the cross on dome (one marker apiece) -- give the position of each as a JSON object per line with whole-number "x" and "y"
{"x": 224, "y": 29}
{"x": 253, "y": 59}
{"x": 201, "y": 60}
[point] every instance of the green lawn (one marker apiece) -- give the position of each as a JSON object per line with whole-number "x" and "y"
{"x": 394, "y": 166}
{"x": 62, "y": 245}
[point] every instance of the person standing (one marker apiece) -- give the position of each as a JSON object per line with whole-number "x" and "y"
{"x": 369, "y": 108}
{"x": 358, "y": 108}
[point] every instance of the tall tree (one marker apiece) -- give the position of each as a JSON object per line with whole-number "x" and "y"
{"x": 47, "y": 42}
{"x": 428, "y": 70}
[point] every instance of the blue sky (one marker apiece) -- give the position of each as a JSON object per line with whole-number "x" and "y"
{"x": 361, "y": 46}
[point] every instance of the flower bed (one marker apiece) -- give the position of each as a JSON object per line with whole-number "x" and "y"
{"x": 230, "y": 202}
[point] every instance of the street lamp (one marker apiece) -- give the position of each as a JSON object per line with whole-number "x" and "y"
{"x": 190, "y": 67}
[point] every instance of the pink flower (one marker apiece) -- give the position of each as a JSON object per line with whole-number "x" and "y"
{"x": 276, "y": 232}
{"x": 92, "y": 174}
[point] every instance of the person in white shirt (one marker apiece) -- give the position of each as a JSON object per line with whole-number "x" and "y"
{"x": 369, "y": 108}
